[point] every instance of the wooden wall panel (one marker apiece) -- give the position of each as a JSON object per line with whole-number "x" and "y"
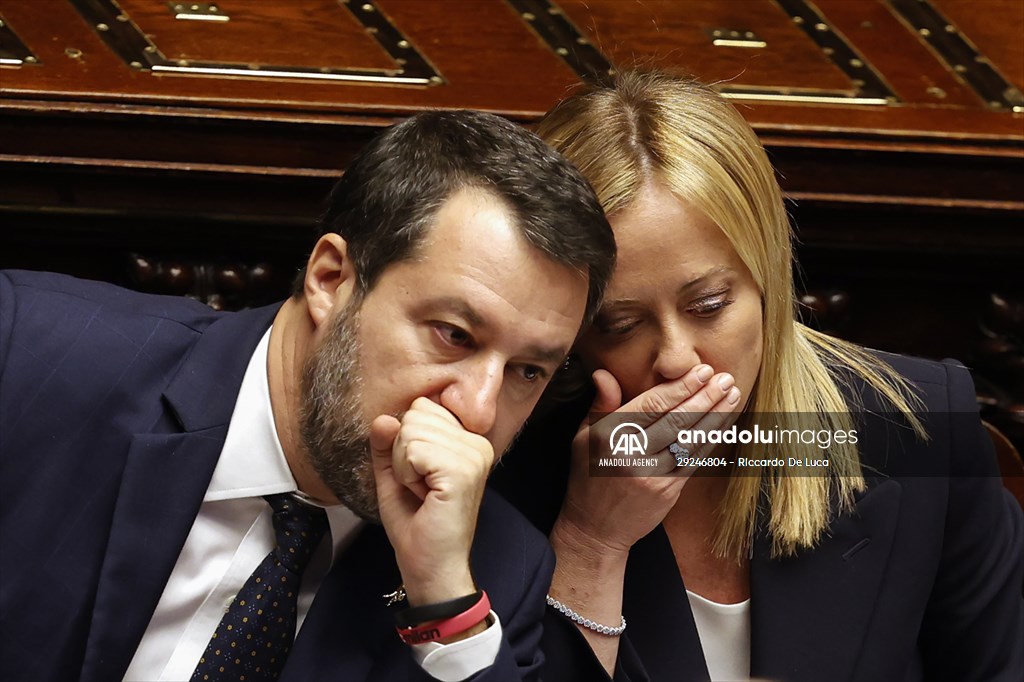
{"x": 485, "y": 55}
{"x": 191, "y": 157}
{"x": 803, "y": 57}
{"x": 652, "y": 31}
{"x": 321, "y": 33}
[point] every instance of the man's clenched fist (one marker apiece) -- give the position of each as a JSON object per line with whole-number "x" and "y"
{"x": 430, "y": 475}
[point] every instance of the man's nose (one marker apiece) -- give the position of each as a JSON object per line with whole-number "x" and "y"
{"x": 676, "y": 353}
{"x": 473, "y": 394}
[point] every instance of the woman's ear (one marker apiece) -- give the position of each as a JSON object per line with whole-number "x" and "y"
{"x": 330, "y": 278}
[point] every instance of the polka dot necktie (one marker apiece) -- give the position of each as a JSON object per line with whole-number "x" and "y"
{"x": 253, "y": 638}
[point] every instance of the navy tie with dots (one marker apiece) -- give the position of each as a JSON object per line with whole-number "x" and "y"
{"x": 253, "y": 638}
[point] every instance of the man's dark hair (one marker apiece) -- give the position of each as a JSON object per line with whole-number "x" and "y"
{"x": 384, "y": 204}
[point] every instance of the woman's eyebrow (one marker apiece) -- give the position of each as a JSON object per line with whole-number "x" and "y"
{"x": 699, "y": 279}
{"x": 611, "y": 306}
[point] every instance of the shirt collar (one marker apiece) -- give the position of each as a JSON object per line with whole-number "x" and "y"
{"x": 252, "y": 461}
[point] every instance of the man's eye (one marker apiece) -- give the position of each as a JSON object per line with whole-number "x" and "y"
{"x": 532, "y": 373}
{"x": 454, "y": 336}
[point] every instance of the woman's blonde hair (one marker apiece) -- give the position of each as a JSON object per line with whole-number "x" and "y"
{"x": 653, "y": 127}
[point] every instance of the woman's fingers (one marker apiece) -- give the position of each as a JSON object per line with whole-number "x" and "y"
{"x": 685, "y": 415}
{"x": 719, "y": 418}
{"x": 700, "y": 400}
{"x": 652, "y": 404}
{"x": 643, "y": 411}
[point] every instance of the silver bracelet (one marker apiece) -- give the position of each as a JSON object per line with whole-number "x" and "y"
{"x": 586, "y": 622}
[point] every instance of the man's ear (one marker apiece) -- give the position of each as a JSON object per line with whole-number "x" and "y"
{"x": 330, "y": 277}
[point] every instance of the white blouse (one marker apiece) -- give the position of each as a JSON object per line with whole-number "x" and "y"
{"x": 724, "y": 631}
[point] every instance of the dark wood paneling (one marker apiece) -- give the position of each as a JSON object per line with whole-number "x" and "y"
{"x": 909, "y": 210}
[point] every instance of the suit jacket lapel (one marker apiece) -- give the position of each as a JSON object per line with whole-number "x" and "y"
{"x": 162, "y": 487}
{"x": 657, "y": 611}
{"x": 809, "y": 615}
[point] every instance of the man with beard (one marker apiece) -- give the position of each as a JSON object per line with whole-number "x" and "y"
{"x": 183, "y": 490}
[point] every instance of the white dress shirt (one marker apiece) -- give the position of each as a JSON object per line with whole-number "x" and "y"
{"x": 724, "y": 631}
{"x": 232, "y": 534}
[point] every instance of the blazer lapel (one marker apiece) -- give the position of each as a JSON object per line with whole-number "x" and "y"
{"x": 349, "y": 623}
{"x": 164, "y": 481}
{"x": 809, "y": 614}
{"x": 657, "y": 611}
{"x": 162, "y": 487}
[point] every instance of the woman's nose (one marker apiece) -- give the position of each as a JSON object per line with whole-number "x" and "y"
{"x": 676, "y": 354}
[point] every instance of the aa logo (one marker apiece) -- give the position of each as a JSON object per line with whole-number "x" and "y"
{"x": 628, "y": 439}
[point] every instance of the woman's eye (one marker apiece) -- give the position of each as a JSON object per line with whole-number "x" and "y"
{"x": 454, "y": 336}
{"x": 707, "y": 307}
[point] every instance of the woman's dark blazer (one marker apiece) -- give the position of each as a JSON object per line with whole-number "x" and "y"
{"x": 922, "y": 581}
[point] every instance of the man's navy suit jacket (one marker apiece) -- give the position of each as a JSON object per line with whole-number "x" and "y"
{"x": 114, "y": 407}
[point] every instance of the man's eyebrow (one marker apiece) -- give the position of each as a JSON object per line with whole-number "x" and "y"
{"x": 462, "y": 308}
{"x": 547, "y": 355}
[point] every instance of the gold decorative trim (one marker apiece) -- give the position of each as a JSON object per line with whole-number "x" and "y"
{"x": 197, "y": 11}
{"x": 551, "y": 25}
{"x": 132, "y": 44}
{"x": 731, "y": 37}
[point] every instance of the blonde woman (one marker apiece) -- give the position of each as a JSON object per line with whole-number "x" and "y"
{"x": 898, "y": 560}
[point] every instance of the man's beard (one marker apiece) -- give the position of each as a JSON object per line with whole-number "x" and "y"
{"x": 334, "y": 432}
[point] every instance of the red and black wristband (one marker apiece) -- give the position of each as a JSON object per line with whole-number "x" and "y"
{"x": 417, "y": 615}
{"x": 436, "y": 630}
